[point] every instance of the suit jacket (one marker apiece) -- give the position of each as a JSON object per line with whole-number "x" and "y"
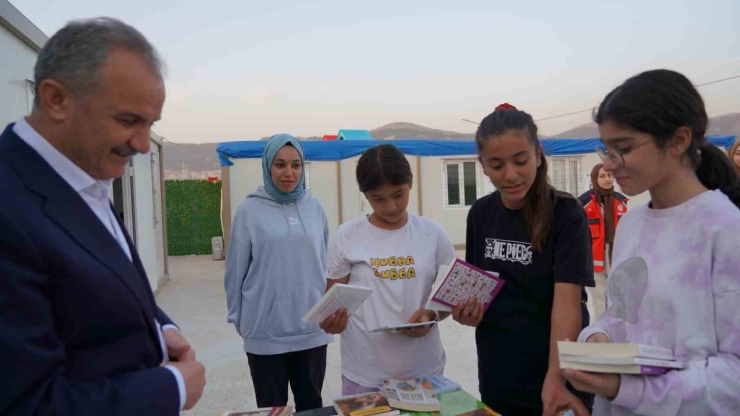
{"x": 77, "y": 330}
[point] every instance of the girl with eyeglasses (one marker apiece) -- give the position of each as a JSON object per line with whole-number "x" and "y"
{"x": 685, "y": 296}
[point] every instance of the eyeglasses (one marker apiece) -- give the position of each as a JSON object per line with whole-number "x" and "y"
{"x": 618, "y": 156}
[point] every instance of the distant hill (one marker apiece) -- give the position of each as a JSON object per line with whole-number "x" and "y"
{"x": 191, "y": 161}
{"x": 727, "y": 124}
{"x": 410, "y": 131}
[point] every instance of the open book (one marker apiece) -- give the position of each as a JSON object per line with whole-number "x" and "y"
{"x": 459, "y": 281}
{"x": 339, "y": 296}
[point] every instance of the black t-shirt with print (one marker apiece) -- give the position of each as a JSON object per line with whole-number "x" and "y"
{"x": 513, "y": 339}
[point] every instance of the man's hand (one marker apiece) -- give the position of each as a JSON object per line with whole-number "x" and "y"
{"x": 469, "y": 313}
{"x": 194, "y": 376}
{"x": 178, "y": 348}
{"x": 421, "y": 315}
{"x": 336, "y": 323}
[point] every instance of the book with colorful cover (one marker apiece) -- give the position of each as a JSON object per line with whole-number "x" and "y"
{"x": 414, "y": 394}
{"x": 460, "y": 402}
{"x": 460, "y": 281}
{"x": 442, "y": 384}
{"x": 368, "y": 404}
{"x": 268, "y": 411}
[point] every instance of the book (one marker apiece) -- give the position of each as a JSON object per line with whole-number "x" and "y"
{"x": 460, "y": 281}
{"x": 414, "y": 394}
{"x": 375, "y": 404}
{"x": 614, "y": 350}
{"x": 339, "y": 296}
{"x": 621, "y": 361}
{"x": 268, "y": 411}
{"x": 615, "y": 369}
{"x": 442, "y": 384}
{"x": 395, "y": 328}
{"x": 460, "y": 402}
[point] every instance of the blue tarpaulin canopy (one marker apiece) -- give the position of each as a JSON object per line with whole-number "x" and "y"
{"x": 338, "y": 150}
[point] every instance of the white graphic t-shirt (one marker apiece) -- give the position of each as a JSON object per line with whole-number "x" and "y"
{"x": 400, "y": 267}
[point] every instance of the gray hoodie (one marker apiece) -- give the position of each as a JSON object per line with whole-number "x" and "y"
{"x": 275, "y": 273}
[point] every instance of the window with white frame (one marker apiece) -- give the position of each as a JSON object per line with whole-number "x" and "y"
{"x": 307, "y": 174}
{"x": 565, "y": 174}
{"x": 460, "y": 182}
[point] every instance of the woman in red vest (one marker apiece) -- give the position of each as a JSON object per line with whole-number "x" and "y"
{"x": 604, "y": 208}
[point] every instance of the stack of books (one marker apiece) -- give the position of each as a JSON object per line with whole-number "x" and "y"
{"x": 617, "y": 358}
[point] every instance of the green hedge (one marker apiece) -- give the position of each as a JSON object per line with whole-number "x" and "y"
{"x": 193, "y": 216}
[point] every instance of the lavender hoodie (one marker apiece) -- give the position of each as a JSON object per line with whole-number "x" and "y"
{"x": 690, "y": 303}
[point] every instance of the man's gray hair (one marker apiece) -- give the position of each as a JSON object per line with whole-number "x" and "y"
{"x": 75, "y": 54}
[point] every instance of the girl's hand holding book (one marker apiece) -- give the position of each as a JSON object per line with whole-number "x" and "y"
{"x": 421, "y": 315}
{"x": 469, "y": 313}
{"x": 598, "y": 337}
{"x": 336, "y": 323}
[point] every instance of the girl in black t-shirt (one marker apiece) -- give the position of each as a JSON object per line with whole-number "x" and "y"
{"x": 538, "y": 240}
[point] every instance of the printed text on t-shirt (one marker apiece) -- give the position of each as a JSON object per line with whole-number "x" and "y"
{"x": 513, "y": 251}
{"x": 397, "y": 270}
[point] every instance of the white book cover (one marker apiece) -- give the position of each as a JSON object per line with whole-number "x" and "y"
{"x": 338, "y": 297}
{"x": 621, "y": 361}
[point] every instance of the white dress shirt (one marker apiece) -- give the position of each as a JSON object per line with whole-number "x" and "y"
{"x": 95, "y": 194}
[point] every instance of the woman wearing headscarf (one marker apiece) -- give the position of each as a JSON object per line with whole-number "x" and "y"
{"x": 275, "y": 273}
{"x": 604, "y": 208}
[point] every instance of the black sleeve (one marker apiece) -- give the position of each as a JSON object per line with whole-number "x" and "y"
{"x": 573, "y": 260}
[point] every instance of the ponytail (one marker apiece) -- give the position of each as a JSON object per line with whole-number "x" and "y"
{"x": 715, "y": 171}
{"x": 539, "y": 211}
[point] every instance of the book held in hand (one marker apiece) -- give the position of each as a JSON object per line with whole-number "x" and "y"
{"x": 338, "y": 297}
{"x": 614, "y": 350}
{"x": 368, "y": 404}
{"x": 616, "y": 358}
{"x": 414, "y": 394}
{"x": 396, "y": 328}
{"x": 459, "y": 281}
{"x": 268, "y": 411}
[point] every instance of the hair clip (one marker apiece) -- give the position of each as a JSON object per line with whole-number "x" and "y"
{"x": 505, "y": 106}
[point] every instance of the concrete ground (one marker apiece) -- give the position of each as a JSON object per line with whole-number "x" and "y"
{"x": 194, "y": 298}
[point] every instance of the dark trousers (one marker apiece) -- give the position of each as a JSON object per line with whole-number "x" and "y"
{"x": 303, "y": 370}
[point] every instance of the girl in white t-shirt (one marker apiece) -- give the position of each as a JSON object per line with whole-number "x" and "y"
{"x": 397, "y": 254}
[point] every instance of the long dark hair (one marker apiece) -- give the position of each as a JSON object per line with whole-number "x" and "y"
{"x": 539, "y": 209}
{"x": 659, "y": 102}
{"x": 383, "y": 165}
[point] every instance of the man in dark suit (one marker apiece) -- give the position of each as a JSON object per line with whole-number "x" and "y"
{"x": 80, "y": 332}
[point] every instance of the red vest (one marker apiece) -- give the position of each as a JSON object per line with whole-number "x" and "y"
{"x": 596, "y": 224}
